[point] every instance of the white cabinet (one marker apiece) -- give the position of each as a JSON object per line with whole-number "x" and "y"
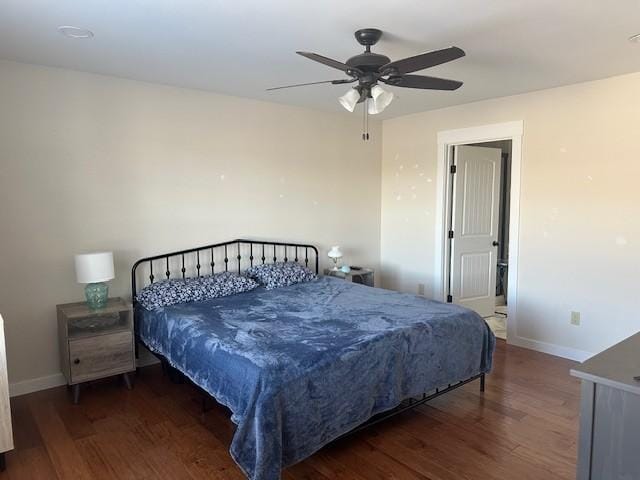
{"x": 6, "y": 435}
{"x": 610, "y": 413}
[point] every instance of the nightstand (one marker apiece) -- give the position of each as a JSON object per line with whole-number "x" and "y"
{"x": 364, "y": 276}
{"x": 95, "y": 344}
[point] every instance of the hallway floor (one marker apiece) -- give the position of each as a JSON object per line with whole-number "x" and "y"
{"x": 498, "y": 322}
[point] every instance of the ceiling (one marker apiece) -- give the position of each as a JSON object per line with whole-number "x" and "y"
{"x": 241, "y": 47}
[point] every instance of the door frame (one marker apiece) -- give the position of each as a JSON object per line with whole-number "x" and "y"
{"x": 447, "y": 139}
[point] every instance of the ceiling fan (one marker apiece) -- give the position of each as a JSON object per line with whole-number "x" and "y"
{"x": 369, "y": 69}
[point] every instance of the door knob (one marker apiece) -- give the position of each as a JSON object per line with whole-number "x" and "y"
{"x": 495, "y": 243}
{"x": 76, "y": 361}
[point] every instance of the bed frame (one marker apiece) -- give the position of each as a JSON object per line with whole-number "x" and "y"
{"x": 237, "y": 255}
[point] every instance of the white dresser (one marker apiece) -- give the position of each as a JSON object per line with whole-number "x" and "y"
{"x": 6, "y": 435}
{"x": 610, "y": 413}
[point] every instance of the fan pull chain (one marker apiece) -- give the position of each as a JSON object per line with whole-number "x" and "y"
{"x": 366, "y": 109}
{"x": 365, "y": 121}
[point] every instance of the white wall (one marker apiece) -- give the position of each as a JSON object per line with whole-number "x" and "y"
{"x": 579, "y": 223}
{"x": 90, "y": 162}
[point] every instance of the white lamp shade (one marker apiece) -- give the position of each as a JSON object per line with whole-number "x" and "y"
{"x": 335, "y": 252}
{"x": 94, "y": 267}
{"x": 380, "y": 99}
{"x": 350, "y": 99}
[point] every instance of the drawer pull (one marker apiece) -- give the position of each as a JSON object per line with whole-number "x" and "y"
{"x": 76, "y": 361}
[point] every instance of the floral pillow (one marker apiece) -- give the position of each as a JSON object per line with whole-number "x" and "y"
{"x": 171, "y": 292}
{"x": 274, "y": 275}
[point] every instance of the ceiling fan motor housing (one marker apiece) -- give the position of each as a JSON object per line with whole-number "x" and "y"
{"x": 368, "y": 61}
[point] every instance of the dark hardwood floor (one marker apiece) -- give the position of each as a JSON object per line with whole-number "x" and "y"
{"x": 523, "y": 427}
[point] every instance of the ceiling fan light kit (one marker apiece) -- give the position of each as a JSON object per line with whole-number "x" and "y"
{"x": 380, "y": 99}
{"x": 369, "y": 68}
{"x": 350, "y": 99}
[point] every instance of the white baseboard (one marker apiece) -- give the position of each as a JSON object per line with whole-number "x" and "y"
{"x": 36, "y": 384}
{"x": 550, "y": 348}
{"x": 57, "y": 379}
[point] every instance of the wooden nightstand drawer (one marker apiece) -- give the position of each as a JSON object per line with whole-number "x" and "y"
{"x": 101, "y": 356}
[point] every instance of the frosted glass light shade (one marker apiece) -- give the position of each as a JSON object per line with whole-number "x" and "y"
{"x": 350, "y": 99}
{"x": 335, "y": 252}
{"x": 380, "y": 99}
{"x": 94, "y": 267}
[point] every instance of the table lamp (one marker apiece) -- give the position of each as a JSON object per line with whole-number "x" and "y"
{"x": 335, "y": 253}
{"x": 94, "y": 269}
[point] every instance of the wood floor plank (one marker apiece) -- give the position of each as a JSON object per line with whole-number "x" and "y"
{"x": 27, "y": 435}
{"x": 533, "y": 432}
{"x": 303, "y": 471}
{"x": 166, "y": 464}
{"x": 554, "y": 463}
{"x": 100, "y": 458}
{"x": 74, "y": 418}
{"x": 30, "y": 464}
{"x": 421, "y": 452}
{"x": 67, "y": 461}
{"x": 524, "y": 426}
{"x": 409, "y": 452}
{"x": 206, "y": 455}
{"x": 332, "y": 468}
{"x": 379, "y": 464}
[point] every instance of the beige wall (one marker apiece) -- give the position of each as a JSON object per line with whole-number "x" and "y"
{"x": 579, "y": 214}
{"x": 90, "y": 163}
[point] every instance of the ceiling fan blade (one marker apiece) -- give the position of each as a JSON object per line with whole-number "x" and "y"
{"x": 424, "y": 60}
{"x": 334, "y": 82}
{"x": 423, "y": 82}
{"x": 331, "y": 63}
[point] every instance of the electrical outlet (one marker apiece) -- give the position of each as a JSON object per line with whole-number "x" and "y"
{"x": 421, "y": 289}
{"x": 575, "y": 318}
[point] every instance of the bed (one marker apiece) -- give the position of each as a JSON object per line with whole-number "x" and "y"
{"x": 302, "y": 365}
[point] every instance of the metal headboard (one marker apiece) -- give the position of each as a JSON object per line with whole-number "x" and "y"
{"x": 233, "y": 255}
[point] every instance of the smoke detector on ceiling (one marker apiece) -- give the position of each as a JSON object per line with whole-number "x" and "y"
{"x": 75, "y": 32}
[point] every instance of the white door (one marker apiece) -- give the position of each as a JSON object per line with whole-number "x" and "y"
{"x": 475, "y": 215}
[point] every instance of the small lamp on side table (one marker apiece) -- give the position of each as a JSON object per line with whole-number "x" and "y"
{"x": 335, "y": 253}
{"x": 94, "y": 269}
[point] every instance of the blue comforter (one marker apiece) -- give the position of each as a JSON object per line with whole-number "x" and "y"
{"x": 299, "y": 366}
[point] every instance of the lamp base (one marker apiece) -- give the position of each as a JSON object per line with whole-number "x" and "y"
{"x": 96, "y": 295}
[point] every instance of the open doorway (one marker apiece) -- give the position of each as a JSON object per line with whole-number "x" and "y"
{"x": 477, "y": 249}
{"x": 477, "y": 237}
{"x": 499, "y": 175}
